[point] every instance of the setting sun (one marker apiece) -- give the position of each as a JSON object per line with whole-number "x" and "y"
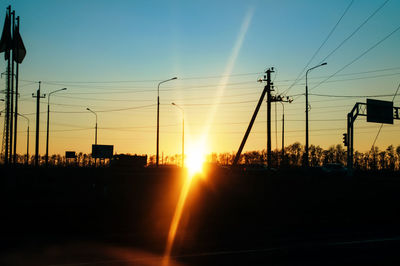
{"x": 195, "y": 159}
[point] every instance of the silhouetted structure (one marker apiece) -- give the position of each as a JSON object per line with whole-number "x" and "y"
{"x": 14, "y": 51}
{"x": 129, "y": 161}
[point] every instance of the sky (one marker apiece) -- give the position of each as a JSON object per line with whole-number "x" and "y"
{"x": 111, "y": 55}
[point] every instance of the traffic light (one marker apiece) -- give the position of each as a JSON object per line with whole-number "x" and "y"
{"x": 345, "y": 140}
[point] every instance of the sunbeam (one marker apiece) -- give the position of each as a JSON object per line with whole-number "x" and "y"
{"x": 201, "y": 144}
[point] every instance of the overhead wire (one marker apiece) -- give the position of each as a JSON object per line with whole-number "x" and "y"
{"x": 358, "y": 57}
{"x": 380, "y": 128}
{"x": 320, "y": 47}
{"x": 350, "y": 36}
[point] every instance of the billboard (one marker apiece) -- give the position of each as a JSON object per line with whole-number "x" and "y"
{"x": 70, "y": 155}
{"x": 102, "y": 151}
{"x": 379, "y": 111}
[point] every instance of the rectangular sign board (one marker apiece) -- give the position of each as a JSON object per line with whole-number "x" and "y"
{"x": 70, "y": 155}
{"x": 379, "y": 111}
{"x": 102, "y": 151}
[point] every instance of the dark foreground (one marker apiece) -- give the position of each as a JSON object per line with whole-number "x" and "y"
{"x": 71, "y": 216}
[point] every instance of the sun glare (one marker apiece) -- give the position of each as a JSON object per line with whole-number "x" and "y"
{"x": 195, "y": 159}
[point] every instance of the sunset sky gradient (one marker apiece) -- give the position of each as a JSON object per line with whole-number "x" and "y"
{"x": 112, "y": 54}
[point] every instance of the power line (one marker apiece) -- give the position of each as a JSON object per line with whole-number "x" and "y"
{"x": 211, "y": 87}
{"x": 355, "y": 31}
{"x": 350, "y": 36}
{"x": 358, "y": 78}
{"x": 79, "y": 84}
{"x": 380, "y": 128}
{"x": 352, "y": 96}
{"x": 151, "y": 80}
{"x": 100, "y": 111}
{"x": 322, "y": 44}
{"x": 358, "y": 57}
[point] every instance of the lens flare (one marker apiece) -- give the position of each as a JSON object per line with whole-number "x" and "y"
{"x": 195, "y": 160}
{"x": 196, "y": 154}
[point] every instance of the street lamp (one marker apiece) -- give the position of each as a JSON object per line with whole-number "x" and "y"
{"x": 158, "y": 116}
{"x": 48, "y": 119}
{"x": 283, "y": 131}
{"x": 27, "y": 138}
{"x": 95, "y": 135}
{"x": 306, "y": 148}
{"x": 288, "y": 100}
{"x": 183, "y": 133}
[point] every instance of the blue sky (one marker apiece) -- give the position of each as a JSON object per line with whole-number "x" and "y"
{"x": 102, "y": 41}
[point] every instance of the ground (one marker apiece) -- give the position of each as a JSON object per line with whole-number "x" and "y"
{"x": 108, "y": 216}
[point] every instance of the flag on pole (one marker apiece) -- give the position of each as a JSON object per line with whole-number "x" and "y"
{"x": 19, "y": 50}
{"x": 6, "y": 40}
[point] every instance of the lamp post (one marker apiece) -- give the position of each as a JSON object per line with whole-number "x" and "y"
{"x": 27, "y": 138}
{"x": 283, "y": 131}
{"x": 48, "y": 123}
{"x": 95, "y": 133}
{"x": 306, "y": 148}
{"x": 158, "y": 117}
{"x": 183, "y": 133}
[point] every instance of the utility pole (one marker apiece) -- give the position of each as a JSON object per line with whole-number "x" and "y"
{"x": 282, "y": 99}
{"x": 267, "y": 90}
{"x": 38, "y": 97}
{"x": 269, "y": 99}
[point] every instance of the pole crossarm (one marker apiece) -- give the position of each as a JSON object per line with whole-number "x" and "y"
{"x": 280, "y": 98}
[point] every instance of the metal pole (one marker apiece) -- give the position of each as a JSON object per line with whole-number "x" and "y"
{"x": 95, "y": 133}
{"x": 16, "y": 101}
{"x": 158, "y": 118}
{"x": 269, "y": 153}
{"x": 283, "y": 131}
{"x": 183, "y": 141}
{"x": 306, "y": 147}
{"x": 7, "y": 138}
{"x": 47, "y": 134}
{"x": 158, "y": 124}
{"x": 27, "y": 138}
{"x": 16, "y": 113}
{"x": 48, "y": 123}
{"x": 276, "y": 130}
{"x": 12, "y": 95}
{"x": 37, "y": 126}
{"x": 351, "y": 142}
{"x": 15, "y": 119}
{"x": 183, "y": 133}
{"x": 349, "y": 116}
{"x": 27, "y": 146}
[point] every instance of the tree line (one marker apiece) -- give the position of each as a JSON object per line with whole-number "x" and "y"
{"x": 374, "y": 159}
